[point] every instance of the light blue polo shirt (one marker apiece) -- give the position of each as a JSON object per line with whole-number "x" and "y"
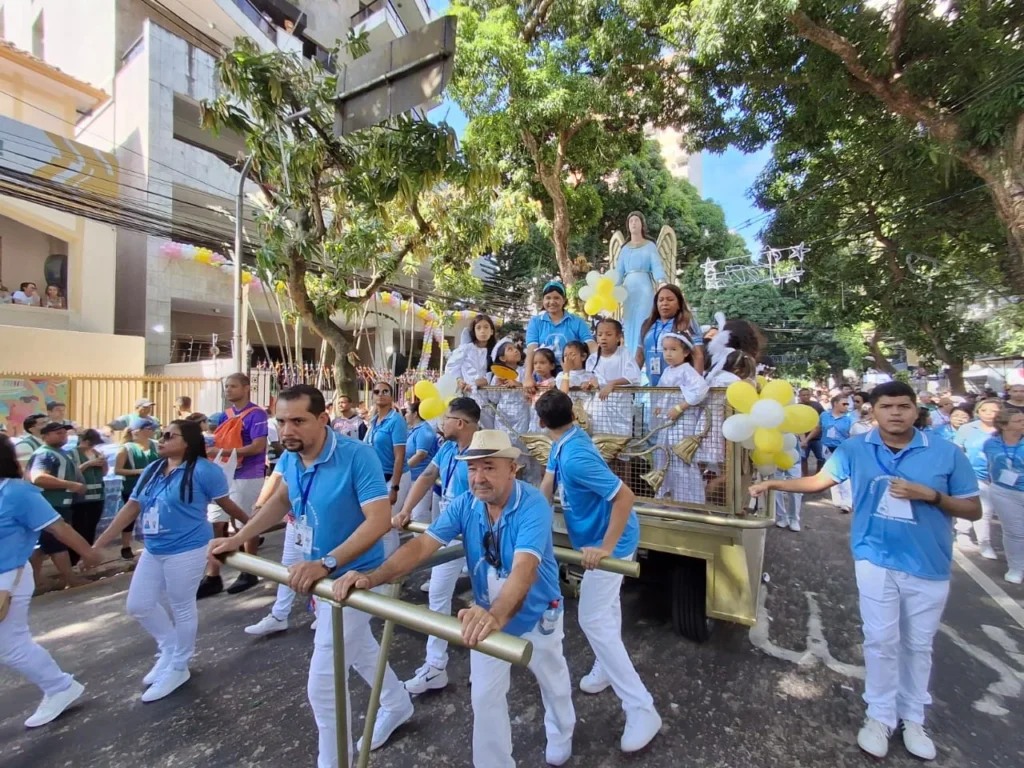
{"x": 23, "y": 514}
{"x": 1003, "y": 458}
{"x": 543, "y": 331}
{"x": 972, "y": 438}
{"x": 834, "y": 431}
{"x": 923, "y": 546}
{"x": 183, "y": 523}
{"x": 330, "y": 495}
{"x": 385, "y": 436}
{"x": 524, "y": 526}
{"x": 421, "y": 438}
{"x": 453, "y": 475}
{"x": 588, "y": 487}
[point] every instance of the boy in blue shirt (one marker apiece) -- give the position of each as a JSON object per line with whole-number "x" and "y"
{"x": 505, "y": 526}
{"x": 834, "y": 428}
{"x": 334, "y": 486}
{"x": 907, "y": 488}
{"x": 599, "y": 517}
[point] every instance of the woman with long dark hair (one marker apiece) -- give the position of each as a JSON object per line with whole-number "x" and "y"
{"x": 23, "y": 514}
{"x": 172, "y": 495}
{"x": 669, "y": 314}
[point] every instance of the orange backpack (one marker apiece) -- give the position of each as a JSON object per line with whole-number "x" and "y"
{"x": 228, "y": 436}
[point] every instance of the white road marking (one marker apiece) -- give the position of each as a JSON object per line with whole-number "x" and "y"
{"x": 1010, "y": 683}
{"x": 1003, "y": 600}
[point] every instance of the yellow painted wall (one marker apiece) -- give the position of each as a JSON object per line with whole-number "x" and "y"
{"x": 44, "y": 350}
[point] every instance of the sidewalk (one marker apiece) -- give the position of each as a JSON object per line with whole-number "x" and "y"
{"x": 47, "y": 579}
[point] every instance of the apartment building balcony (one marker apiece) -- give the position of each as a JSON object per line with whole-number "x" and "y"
{"x": 384, "y": 20}
{"x": 227, "y": 19}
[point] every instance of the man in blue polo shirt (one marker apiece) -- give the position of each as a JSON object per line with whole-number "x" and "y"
{"x": 387, "y": 433}
{"x": 834, "y": 427}
{"x": 505, "y": 526}
{"x": 599, "y": 517}
{"x": 554, "y": 328}
{"x": 907, "y": 488}
{"x": 335, "y": 488}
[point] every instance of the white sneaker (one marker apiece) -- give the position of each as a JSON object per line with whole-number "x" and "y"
{"x": 781, "y": 522}
{"x": 873, "y": 737}
{"x": 388, "y": 721}
{"x": 268, "y": 625}
{"x": 158, "y": 669}
{"x": 425, "y": 586}
{"x": 594, "y": 681}
{"x": 51, "y": 707}
{"x": 794, "y": 525}
{"x": 917, "y": 742}
{"x": 642, "y": 725}
{"x": 427, "y": 678}
{"x": 987, "y": 552}
{"x": 170, "y": 681}
{"x": 1014, "y": 576}
{"x": 558, "y": 755}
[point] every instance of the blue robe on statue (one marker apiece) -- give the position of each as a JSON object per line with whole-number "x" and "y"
{"x": 639, "y": 270}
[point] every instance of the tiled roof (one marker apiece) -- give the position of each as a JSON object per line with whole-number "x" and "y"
{"x": 10, "y": 51}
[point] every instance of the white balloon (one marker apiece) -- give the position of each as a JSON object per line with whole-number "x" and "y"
{"x": 620, "y": 294}
{"x": 593, "y": 276}
{"x": 749, "y": 444}
{"x": 447, "y": 385}
{"x": 586, "y": 292}
{"x": 738, "y": 428}
{"x": 767, "y": 469}
{"x": 794, "y": 455}
{"x": 788, "y": 442}
{"x": 768, "y": 414}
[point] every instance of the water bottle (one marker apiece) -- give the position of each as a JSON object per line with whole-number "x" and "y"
{"x": 549, "y": 620}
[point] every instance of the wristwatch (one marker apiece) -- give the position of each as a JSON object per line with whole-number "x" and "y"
{"x": 330, "y": 563}
{"x": 395, "y": 487}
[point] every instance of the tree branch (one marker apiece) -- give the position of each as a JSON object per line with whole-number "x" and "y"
{"x": 897, "y": 31}
{"x": 538, "y": 18}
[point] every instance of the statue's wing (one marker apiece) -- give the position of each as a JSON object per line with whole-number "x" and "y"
{"x": 668, "y": 247}
{"x": 614, "y": 248}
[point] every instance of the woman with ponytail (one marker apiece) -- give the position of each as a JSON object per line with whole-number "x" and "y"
{"x": 171, "y": 496}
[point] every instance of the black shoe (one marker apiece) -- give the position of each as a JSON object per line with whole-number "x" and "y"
{"x": 127, "y": 554}
{"x": 209, "y": 586}
{"x": 243, "y": 582}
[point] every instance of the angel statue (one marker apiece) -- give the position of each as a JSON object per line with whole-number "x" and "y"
{"x": 641, "y": 267}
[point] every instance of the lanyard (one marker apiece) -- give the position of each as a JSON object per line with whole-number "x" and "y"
{"x": 375, "y": 425}
{"x": 896, "y": 461}
{"x": 1012, "y": 457}
{"x": 304, "y": 492}
{"x": 154, "y": 491}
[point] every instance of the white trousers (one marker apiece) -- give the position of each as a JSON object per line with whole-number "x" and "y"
{"x": 789, "y": 505}
{"x": 901, "y": 615}
{"x": 421, "y": 513}
{"x": 600, "y": 615}
{"x": 490, "y": 680}
{"x": 17, "y": 648}
{"x": 391, "y": 538}
{"x": 290, "y": 555}
{"x": 1009, "y": 506}
{"x": 361, "y": 651}
{"x": 443, "y": 579}
{"x": 982, "y": 527}
{"x": 172, "y": 580}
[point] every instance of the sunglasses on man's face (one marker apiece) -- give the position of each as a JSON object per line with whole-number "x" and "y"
{"x": 492, "y": 550}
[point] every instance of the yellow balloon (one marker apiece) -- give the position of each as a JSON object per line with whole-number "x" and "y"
{"x": 778, "y": 390}
{"x": 432, "y": 407}
{"x": 593, "y": 305}
{"x": 609, "y": 303}
{"x": 405, "y": 306}
{"x": 799, "y": 419}
{"x": 605, "y": 285}
{"x": 761, "y": 458}
{"x": 426, "y": 390}
{"x": 202, "y": 258}
{"x": 768, "y": 440}
{"x": 741, "y": 396}
{"x": 783, "y": 460}
{"x": 246, "y": 278}
{"x": 761, "y": 381}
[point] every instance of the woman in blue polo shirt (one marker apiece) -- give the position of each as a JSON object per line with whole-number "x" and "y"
{"x": 1006, "y": 489}
{"x": 172, "y": 495}
{"x": 554, "y": 328}
{"x": 670, "y": 313}
{"x": 23, "y": 514}
{"x": 971, "y": 438}
{"x": 421, "y": 445}
{"x": 387, "y": 434}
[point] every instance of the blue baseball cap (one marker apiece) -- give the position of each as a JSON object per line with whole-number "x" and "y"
{"x": 142, "y": 422}
{"x": 553, "y": 285}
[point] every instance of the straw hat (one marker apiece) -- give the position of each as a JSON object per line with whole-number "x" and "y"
{"x": 490, "y": 444}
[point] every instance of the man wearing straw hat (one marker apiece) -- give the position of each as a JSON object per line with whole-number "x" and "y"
{"x": 505, "y": 526}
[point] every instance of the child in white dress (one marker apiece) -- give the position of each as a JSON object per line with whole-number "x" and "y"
{"x": 512, "y": 406}
{"x": 683, "y": 482}
{"x": 470, "y": 363}
{"x": 611, "y": 412}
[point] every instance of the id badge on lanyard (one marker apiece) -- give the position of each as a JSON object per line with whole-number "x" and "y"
{"x": 1008, "y": 477}
{"x": 151, "y": 519}
{"x": 495, "y": 583}
{"x": 889, "y": 505}
{"x": 303, "y": 530}
{"x": 655, "y": 364}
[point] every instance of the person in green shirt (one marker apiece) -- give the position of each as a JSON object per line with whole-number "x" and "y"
{"x": 53, "y": 470}
{"x": 137, "y": 453}
{"x": 143, "y": 410}
{"x": 25, "y": 446}
{"x": 87, "y": 509}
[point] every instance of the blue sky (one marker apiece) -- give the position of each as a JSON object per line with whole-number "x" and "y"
{"x": 727, "y": 176}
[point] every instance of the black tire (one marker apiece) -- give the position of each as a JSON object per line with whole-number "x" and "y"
{"x": 689, "y": 608}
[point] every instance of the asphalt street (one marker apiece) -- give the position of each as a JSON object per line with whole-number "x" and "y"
{"x": 784, "y": 694}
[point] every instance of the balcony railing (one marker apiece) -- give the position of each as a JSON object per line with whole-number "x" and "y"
{"x": 366, "y": 10}
{"x": 253, "y": 14}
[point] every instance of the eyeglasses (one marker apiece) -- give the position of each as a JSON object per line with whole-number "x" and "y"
{"x": 492, "y": 550}
{"x": 169, "y": 436}
{"x": 382, "y": 391}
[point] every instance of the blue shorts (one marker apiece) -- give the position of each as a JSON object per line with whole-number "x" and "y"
{"x": 815, "y": 447}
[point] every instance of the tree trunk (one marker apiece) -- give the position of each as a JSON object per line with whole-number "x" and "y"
{"x": 560, "y": 229}
{"x": 956, "y": 377}
{"x": 881, "y": 361}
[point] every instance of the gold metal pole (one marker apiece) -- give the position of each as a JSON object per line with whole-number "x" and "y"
{"x": 378, "y": 684}
{"x": 568, "y": 556}
{"x": 502, "y": 646}
{"x": 340, "y": 684}
{"x": 686, "y": 516}
{"x": 444, "y": 555}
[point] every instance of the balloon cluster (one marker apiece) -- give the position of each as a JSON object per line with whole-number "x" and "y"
{"x": 601, "y": 294}
{"x": 394, "y": 299}
{"x": 767, "y": 423}
{"x": 434, "y": 398}
{"x": 184, "y": 252}
{"x": 431, "y": 333}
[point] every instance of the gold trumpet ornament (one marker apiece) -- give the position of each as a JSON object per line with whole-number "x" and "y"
{"x": 686, "y": 448}
{"x": 654, "y": 477}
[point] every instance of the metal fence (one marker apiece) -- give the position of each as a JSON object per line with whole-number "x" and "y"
{"x": 681, "y": 462}
{"x": 97, "y": 400}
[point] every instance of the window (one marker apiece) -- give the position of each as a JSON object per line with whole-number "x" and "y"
{"x": 39, "y": 38}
